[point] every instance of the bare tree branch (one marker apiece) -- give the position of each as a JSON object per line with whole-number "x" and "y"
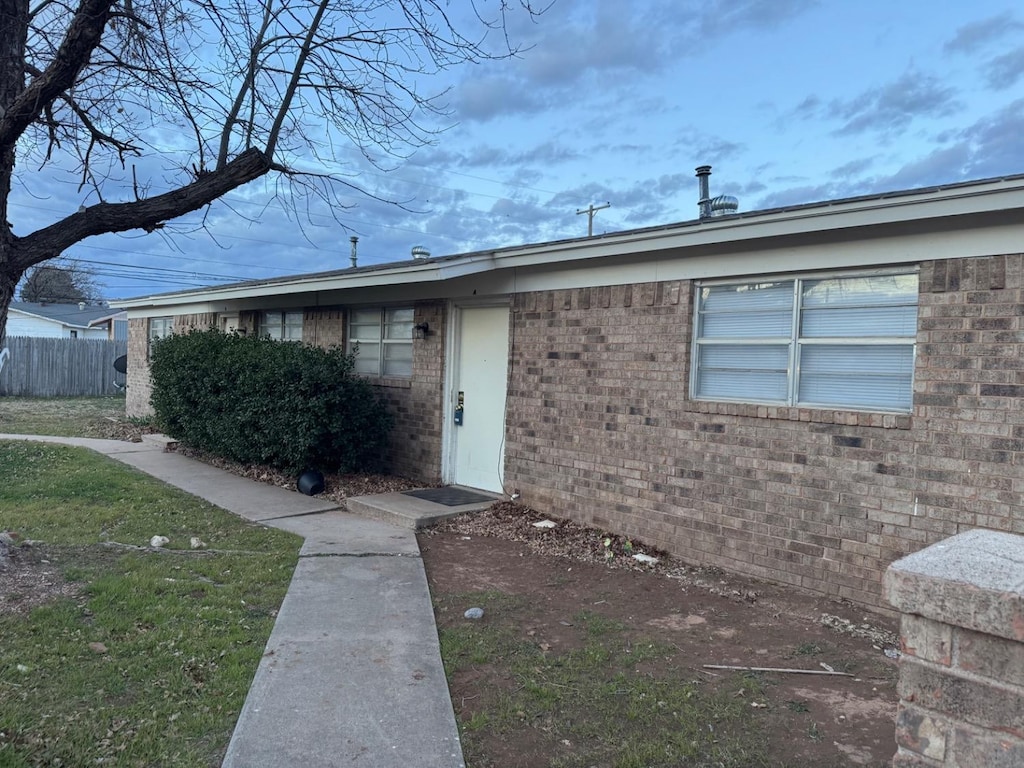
{"x": 147, "y": 214}
{"x": 208, "y": 95}
{"x": 82, "y": 36}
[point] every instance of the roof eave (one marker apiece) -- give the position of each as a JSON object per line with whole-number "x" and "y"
{"x": 897, "y": 208}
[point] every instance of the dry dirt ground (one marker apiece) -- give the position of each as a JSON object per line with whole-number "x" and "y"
{"x": 709, "y": 616}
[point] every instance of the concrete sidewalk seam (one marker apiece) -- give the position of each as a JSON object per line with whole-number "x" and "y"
{"x": 359, "y": 554}
{"x": 338, "y": 508}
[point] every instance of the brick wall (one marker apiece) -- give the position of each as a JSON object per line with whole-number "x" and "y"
{"x": 961, "y": 682}
{"x": 139, "y": 387}
{"x": 324, "y": 327}
{"x": 416, "y": 404}
{"x": 601, "y": 430}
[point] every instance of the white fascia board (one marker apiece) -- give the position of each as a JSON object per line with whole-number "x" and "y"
{"x": 741, "y": 232}
{"x": 180, "y": 308}
{"x": 846, "y": 254}
{"x": 751, "y": 233}
{"x": 412, "y": 273}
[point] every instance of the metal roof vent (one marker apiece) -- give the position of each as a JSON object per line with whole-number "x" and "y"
{"x": 724, "y": 205}
{"x": 704, "y": 200}
{"x": 420, "y": 252}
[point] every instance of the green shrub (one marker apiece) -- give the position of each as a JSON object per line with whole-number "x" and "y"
{"x": 259, "y": 401}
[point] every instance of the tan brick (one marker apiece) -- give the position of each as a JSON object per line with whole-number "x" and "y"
{"x": 993, "y": 657}
{"x": 921, "y": 732}
{"x": 926, "y": 639}
{"x": 940, "y": 689}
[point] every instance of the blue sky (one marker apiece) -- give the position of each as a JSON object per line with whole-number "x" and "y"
{"x": 790, "y": 101}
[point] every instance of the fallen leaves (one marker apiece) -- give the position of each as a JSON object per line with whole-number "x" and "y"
{"x": 559, "y": 538}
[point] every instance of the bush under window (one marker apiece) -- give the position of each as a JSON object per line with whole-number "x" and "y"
{"x": 260, "y": 401}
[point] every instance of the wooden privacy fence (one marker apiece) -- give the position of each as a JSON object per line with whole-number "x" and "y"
{"x": 39, "y": 367}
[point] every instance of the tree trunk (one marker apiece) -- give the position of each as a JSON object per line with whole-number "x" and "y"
{"x": 8, "y": 282}
{"x": 13, "y": 36}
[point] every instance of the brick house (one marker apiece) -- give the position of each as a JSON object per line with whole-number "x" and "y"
{"x": 801, "y": 394}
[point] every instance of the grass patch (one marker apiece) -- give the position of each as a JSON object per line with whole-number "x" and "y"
{"x": 60, "y": 416}
{"x": 590, "y": 700}
{"x": 808, "y": 649}
{"x": 150, "y": 661}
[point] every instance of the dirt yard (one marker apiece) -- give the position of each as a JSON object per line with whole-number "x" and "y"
{"x": 702, "y": 616}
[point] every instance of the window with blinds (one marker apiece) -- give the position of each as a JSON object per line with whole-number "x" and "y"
{"x": 282, "y": 326}
{"x": 843, "y": 341}
{"x": 382, "y": 339}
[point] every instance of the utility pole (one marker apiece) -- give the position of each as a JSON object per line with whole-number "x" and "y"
{"x": 590, "y": 215}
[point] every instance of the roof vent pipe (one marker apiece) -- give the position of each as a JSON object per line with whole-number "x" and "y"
{"x": 352, "y": 256}
{"x": 704, "y": 202}
{"x": 420, "y": 252}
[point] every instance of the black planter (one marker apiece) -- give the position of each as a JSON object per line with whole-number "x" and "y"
{"x": 311, "y": 482}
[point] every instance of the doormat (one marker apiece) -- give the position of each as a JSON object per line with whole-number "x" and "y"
{"x": 450, "y": 497}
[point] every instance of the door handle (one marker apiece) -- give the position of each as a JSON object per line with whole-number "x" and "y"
{"x": 460, "y": 409}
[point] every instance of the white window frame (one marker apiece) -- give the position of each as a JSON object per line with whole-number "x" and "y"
{"x": 287, "y": 326}
{"x": 370, "y": 335}
{"x": 796, "y": 343}
{"x": 158, "y": 328}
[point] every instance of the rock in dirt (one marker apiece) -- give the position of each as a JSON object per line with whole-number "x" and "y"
{"x": 474, "y": 613}
{"x": 642, "y": 558}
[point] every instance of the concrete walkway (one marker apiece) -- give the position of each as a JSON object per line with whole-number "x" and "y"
{"x": 352, "y": 672}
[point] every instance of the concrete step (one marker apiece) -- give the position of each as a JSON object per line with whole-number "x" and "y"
{"x": 163, "y": 441}
{"x": 410, "y": 512}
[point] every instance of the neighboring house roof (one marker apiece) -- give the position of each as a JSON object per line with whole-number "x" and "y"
{"x": 933, "y": 210}
{"x": 109, "y": 317}
{"x": 70, "y": 315}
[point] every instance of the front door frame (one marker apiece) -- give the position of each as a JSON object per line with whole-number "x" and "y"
{"x": 452, "y": 344}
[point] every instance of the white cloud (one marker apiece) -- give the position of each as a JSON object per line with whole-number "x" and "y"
{"x": 891, "y": 107}
{"x": 1004, "y": 71}
{"x": 973, "y": 37}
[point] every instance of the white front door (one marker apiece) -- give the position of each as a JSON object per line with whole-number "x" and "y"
{"x": 479, "y": 386}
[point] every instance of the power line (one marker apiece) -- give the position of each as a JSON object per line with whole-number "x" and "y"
{"x": 162, "y": 270}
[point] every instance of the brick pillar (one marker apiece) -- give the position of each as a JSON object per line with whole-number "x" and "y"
{"x": 961, "y": 680}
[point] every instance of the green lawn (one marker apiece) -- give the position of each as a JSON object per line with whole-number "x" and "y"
{"x": 147, "y": 662}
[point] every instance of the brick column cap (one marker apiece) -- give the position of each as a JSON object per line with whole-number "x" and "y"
{"x": 973, "y": 580}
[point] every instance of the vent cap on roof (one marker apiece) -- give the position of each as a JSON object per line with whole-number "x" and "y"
{"x": 420, "y": 252}
{"x": 723, "y": 205}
